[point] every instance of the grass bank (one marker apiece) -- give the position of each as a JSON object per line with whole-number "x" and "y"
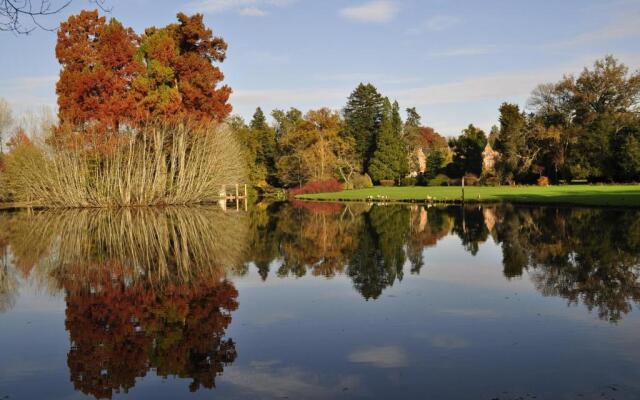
{"x": 592, "y": 195}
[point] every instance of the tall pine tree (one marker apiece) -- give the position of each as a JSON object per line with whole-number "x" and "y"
{"x": 362, "y": 115}
{"x": 389, "y": 161}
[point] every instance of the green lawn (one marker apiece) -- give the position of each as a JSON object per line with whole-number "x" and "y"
{"x": 595, "y": 195}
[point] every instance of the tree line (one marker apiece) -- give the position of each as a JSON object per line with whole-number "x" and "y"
{"x": 580, "y": 128}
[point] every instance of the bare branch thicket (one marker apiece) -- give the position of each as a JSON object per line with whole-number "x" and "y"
{"x": 159, "y": 165}
{"x": 24, "y": 16}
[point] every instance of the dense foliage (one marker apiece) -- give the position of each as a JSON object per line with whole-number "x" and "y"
{"x": 111, "y": 77}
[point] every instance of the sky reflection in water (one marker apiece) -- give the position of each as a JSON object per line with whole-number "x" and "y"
{"x": 318, "y": 300}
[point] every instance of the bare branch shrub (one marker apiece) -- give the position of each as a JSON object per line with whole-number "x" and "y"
{"x": 159, "y": 165}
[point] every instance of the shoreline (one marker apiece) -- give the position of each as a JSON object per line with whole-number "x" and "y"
{"x": 574, "y": 195}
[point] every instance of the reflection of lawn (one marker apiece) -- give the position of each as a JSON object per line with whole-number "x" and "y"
{"x": 596, "y": 195}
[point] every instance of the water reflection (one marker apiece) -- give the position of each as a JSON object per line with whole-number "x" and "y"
{"x": 144, "y": 289}
{"x": 589, "y": 256}
{"x": 149, "y": 291}
{"x": 585, "y": 255}
{"x": 120, "y": 332}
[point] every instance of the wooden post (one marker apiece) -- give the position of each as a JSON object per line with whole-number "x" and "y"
{"x": 237, "y": 191}
{"x": 245, "y": 191}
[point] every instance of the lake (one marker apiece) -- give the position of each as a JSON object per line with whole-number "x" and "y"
{"x": 321, "y": 301}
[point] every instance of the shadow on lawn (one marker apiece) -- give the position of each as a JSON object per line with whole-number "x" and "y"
{"x": 592, "y": 197}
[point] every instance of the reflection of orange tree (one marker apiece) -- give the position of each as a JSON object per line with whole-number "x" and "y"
{"x": 119, "y": 332}
{"x": 144, "y": 288}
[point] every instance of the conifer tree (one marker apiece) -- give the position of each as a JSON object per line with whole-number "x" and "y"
{"x": 389, "y": 160}
{"x": 362, "y": 116}
{"x": 265, "y": 137}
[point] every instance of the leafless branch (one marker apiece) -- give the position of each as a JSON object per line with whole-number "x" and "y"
{"x": 14, "y": 13}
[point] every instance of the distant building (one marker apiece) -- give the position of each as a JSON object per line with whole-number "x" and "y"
{"x": 489, "y": 158}
{"x": 418, "y": 162}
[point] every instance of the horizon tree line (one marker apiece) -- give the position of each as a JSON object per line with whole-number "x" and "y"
{"x": 580, "y": 128}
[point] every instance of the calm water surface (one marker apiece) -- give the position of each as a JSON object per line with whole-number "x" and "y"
{"x": 321, "y": 301}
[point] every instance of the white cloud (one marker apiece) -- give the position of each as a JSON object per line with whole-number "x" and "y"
{"x": 267, "y": 57}
{"x": 286, "y": 97}
{"x": 250, "y": 8}
{"x": 374, "y": 11}
{"x": 448, "y": 342}
{"x": 272, "y": 380}
{"x": 29, "y": 92}
{"x": 435, "y": 24}
{"x": 378, "y": 78}
{"x": 252, "y": 12}
{"x": 381, "y": 357}
{"x": 625, "y": 26}
{"x": 464, "y": 51}
{"x": 448, "y": 97}
{"x": 499, "y": 86}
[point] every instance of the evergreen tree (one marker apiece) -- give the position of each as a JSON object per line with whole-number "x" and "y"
{"x": 362, "y": 115}
{"x": 396, "y": 119}
{"x": 467, "y": 152}
{"x": 413, "y": 118}
{"x": 389, "y": 160}
{"x": 511, "y": 141}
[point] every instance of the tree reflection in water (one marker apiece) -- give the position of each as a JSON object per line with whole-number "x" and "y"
{"x": 144, "y": 289}
{"x": 586, "y": 255}
{"x": 589, "y": 256}
{"x": 147, "y": 289}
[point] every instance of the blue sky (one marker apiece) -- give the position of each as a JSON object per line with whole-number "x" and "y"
{"x": 456, "y": 61}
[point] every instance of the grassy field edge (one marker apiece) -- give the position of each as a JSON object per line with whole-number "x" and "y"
{"x": 592, "y": 195}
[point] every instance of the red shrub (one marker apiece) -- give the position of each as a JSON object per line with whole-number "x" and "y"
{"x": 330, "y": 185}
{"x": 543, "y": 181}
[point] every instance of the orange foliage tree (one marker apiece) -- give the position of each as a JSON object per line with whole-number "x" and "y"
{"x": 99, "y": 70}
{"x": 111, "y": 77}
{"x": 181, "y": 78}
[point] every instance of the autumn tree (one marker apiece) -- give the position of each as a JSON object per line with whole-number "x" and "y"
{"x": 111, "y": 77}
{"x": 583, "y": 125}
{"x": 314, "y": 147}
{"x": 99, "y": 70}
{"x": 181, "y": 78}
{"x": 290, "y": 127}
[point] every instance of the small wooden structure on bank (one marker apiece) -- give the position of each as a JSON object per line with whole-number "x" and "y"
{"x": 235, "y": 196}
